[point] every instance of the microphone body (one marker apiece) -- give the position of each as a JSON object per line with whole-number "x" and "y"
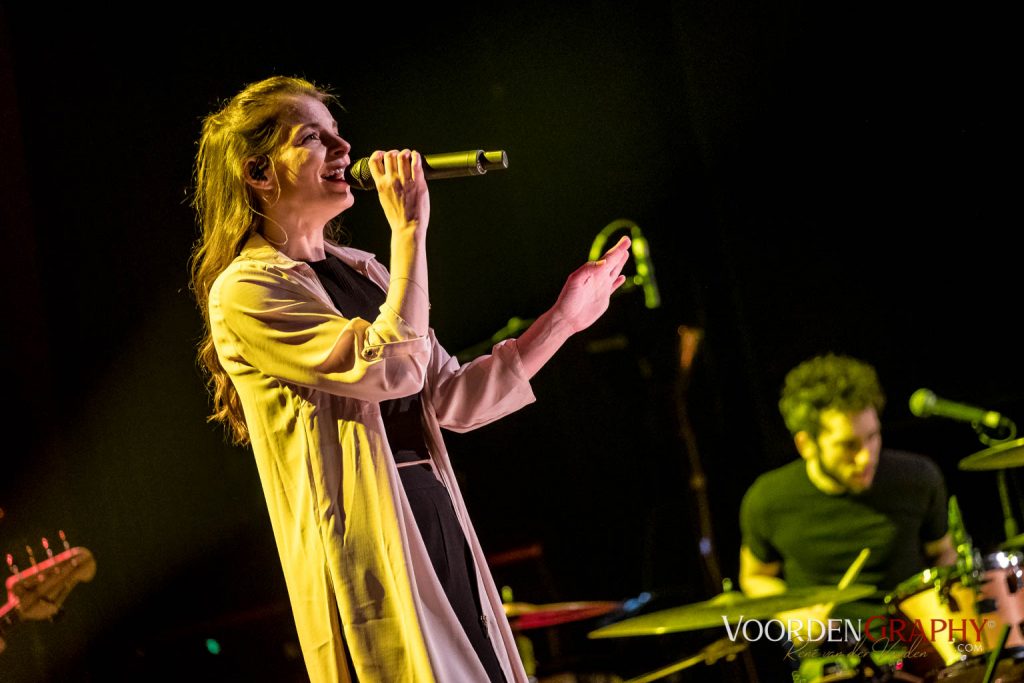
{"x": 435, "y": 166}
{"x": 924, "y": 403}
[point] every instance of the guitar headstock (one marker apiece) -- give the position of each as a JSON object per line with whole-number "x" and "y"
{"x": 39, "y": 591}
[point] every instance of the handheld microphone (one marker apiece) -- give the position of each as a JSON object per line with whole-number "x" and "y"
{"x": 435, "y": 166}
{"x": 924, "y": 403}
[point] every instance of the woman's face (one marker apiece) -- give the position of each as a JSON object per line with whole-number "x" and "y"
{"x": 309, "y": 165}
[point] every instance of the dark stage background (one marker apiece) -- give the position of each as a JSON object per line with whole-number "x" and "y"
{"x": 809, "y": 180}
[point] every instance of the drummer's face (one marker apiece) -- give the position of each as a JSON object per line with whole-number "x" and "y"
{"x": 848, "y": 448}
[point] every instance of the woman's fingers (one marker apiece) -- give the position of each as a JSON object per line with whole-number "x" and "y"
{"x": 415, "y": 170}
{"x": 377, "y": 165}
{"x": 405, "y": 166}
{"x": 401, "y": 187}
{"x": 389, "y": 169}
{"x": 620, "y": 252}
{"x": 404, "y": 172}
{"x": 615, "y": 258}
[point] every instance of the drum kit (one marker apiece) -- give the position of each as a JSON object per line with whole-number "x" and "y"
{"x": 967, "y": 619}
{"x": 983, "y": 591}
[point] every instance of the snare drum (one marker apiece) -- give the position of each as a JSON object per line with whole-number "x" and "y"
{"x": 941, "y": 594}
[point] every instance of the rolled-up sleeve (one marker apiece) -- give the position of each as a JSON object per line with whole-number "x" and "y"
{"x": 468, "y": 396}
{"x": 262, "y": 319}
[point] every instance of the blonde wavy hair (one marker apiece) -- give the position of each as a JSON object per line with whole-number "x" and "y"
{"x": 227, "y": 209}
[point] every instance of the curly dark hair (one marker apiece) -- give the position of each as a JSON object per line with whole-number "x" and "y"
{"x": 827, "y": 382}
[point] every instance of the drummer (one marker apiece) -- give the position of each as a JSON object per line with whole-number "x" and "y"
{"x": 804, "y": 523}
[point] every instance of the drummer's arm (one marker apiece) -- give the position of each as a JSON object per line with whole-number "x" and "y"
{"x": 759, "y": 578}
{"x": 941, "y": 552}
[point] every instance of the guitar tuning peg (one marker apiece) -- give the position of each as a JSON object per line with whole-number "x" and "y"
{"x": 10, "y": 564}
{"x": 67, "y": 546}
{"x": 31, "y": 555}
{"x": 47, "y": 548}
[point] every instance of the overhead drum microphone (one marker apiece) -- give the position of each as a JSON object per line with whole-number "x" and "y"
{"x": 924, "y": 403}
{"x": 435, "y": 166}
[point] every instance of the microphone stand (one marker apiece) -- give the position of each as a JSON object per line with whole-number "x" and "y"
{"x": 644, "y": 277}
{"x": 1009, "y": 522}
{"x": 689, "y": 341}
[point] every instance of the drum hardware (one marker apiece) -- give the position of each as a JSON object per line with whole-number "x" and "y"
{"x": 985, "y": 591}
{"x": 967, "y": 558}
{"x": 996, "y": 431}
{"x": 999, "y": 457}
{"x": 993, "y": 659}
{"x": 723, "y": 648}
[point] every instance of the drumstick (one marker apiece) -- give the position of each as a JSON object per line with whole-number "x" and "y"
{"x": 850, "y": 575}
{"x": 844, "y": 583}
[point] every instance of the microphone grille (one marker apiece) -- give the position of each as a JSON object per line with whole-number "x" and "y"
{"x": 358, "y": 175}
{"x": 922, "y": 402}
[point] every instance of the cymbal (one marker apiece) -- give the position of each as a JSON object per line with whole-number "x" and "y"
{"x": 729, "y": 607}
{"x": 1001, "y": 457}
{"x": 527, "y": 616}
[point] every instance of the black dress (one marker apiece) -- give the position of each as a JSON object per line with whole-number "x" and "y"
{"x": 356, "y": 296}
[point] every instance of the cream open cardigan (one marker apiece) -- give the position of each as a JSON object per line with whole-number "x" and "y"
{"x": 310, "y": 380}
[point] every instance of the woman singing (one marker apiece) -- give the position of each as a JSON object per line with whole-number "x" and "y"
{"x": 325, "y": 362}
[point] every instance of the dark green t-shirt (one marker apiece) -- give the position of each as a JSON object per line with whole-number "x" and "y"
{"x": 817, "y": 536}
